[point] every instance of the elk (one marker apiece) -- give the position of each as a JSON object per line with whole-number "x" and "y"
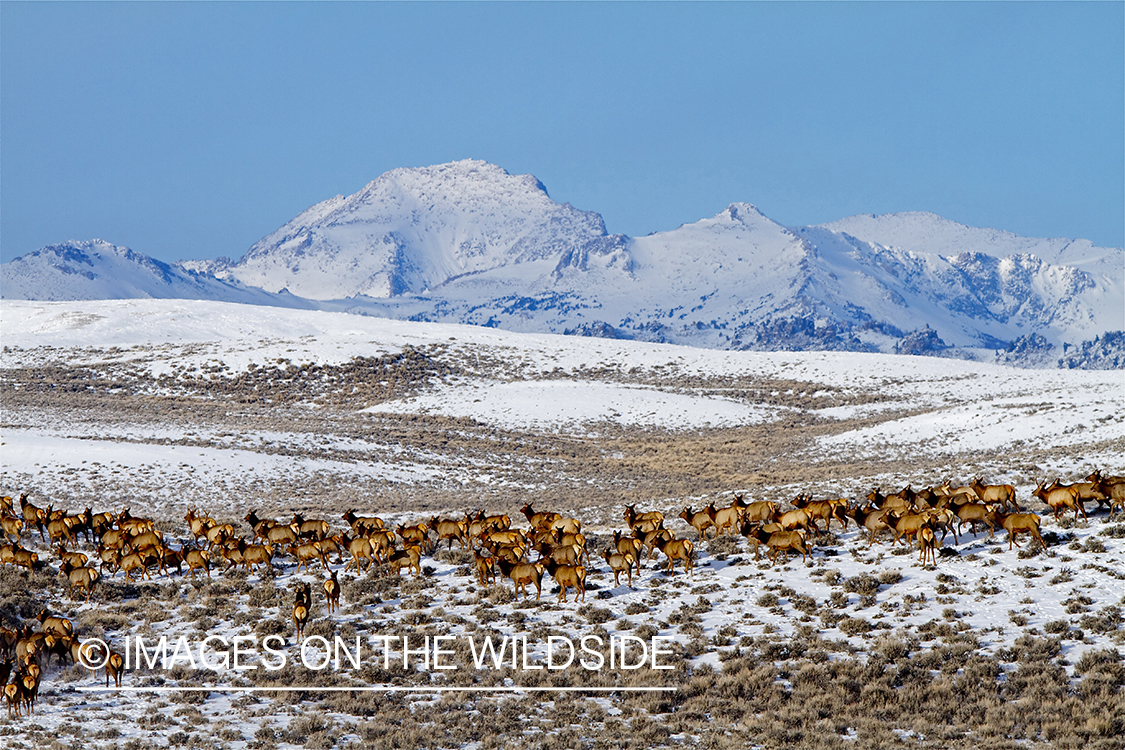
{"x": 306, "y": 553}
{"x": 1112, "y": 487}
{"x": 486, "y": 568}
{"x": 751, "y": 530}
{"x": 132, "y": 561}
{"x": 1017, "y": 523}
{"x": 562, "y": 539}
{"x": 995, "y": 493}
{"x": 496, "y": 522}
{"x": 219, "y": 534}
{"x": 54, "y": 624}
{"x": 450, "y": 530}
{"x": 33, "y": 516}
{"x": 198, "y": 525}
{"x": 677, "y": 549}
{"x": 619, "y": 563}
{"x": 13, "y": 694}
{"x": 782, "y": 541}
{"x": 632, "y": 517}
{"x": 332, "y": 592}
{"x": 410, "y": 557}
{"x": 973, "y": 514}
{"x": 81, "y": 578}
{"x": 360, "y": 550}
{"x": 874, "y": 520}
{"x": 1058, "y": 497}
{"x": 700, "y": 520}
{"x": 927, "y": 543}
{"x": 134, "y": 525}
{"x": 77, "y": 559}
{"x": 566, "y": 525}
{"x": 723, "y": 518}
{"x": 943, "y": 518}
{"x": 363, "y": 525}
{"x": 541, "y": 518}
{"x": 114, "y": 667}
{"x": 523, "y": 574}
{"x": 826, "y": 509}
{"x": 281, "y": 536}
{"x": 254, "y": 555}
{"x": 314, "y": 528}
{"x": 416, "y": 534}
{"x": 759, "y": 511}
{"x": 567, "y": 577}
{"x": 649, "y": 540}
{"x": 22, "y": 558}
{"x": 302, "y": 602}
{"x": 793, "y": 519}
{"x": 509, "y": 536}
{"x": 196, "y": 559}
{"x": 629, "y": 545}
{"x": 12, "y": 527}
{"x": 1089, "y": 490}
{"x": 907, "y": 526}
{"x": 567, "y": 554}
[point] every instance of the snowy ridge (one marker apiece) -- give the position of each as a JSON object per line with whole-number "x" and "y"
{"x": 96, "y": 269}
{"x": 467, "y": 242}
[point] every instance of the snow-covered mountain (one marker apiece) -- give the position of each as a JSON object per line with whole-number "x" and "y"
{"x": 413, "y": 230}
{"x": 467, "y": 242}
{"x": 96, "y": 269}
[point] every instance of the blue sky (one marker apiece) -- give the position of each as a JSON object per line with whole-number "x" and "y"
{"x": 191, "y": 130}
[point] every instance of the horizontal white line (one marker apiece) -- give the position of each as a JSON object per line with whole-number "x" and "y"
{"x": 375, "y": 689}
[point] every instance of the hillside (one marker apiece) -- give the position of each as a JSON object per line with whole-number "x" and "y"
{"x": 161, "y": 407}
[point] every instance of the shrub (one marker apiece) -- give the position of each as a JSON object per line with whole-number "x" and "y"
{"x": 854, "y": 625}
{"x": 891, "y": 577}
{"x": 863, "y": 584}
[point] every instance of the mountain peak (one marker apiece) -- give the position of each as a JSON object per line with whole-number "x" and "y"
{"x": 414, "y": 229}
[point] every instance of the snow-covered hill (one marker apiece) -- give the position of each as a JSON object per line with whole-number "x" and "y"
{"x": 467, "y": 242}
{"x": 158, "y": 406}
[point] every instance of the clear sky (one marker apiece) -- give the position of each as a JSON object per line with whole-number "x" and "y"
{"x": 191, "y": 130}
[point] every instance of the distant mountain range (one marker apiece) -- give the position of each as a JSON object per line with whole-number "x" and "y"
{"x": 467, "y": 242}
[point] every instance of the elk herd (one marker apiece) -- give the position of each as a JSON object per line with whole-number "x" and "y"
{"x": 551, "y": 545}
